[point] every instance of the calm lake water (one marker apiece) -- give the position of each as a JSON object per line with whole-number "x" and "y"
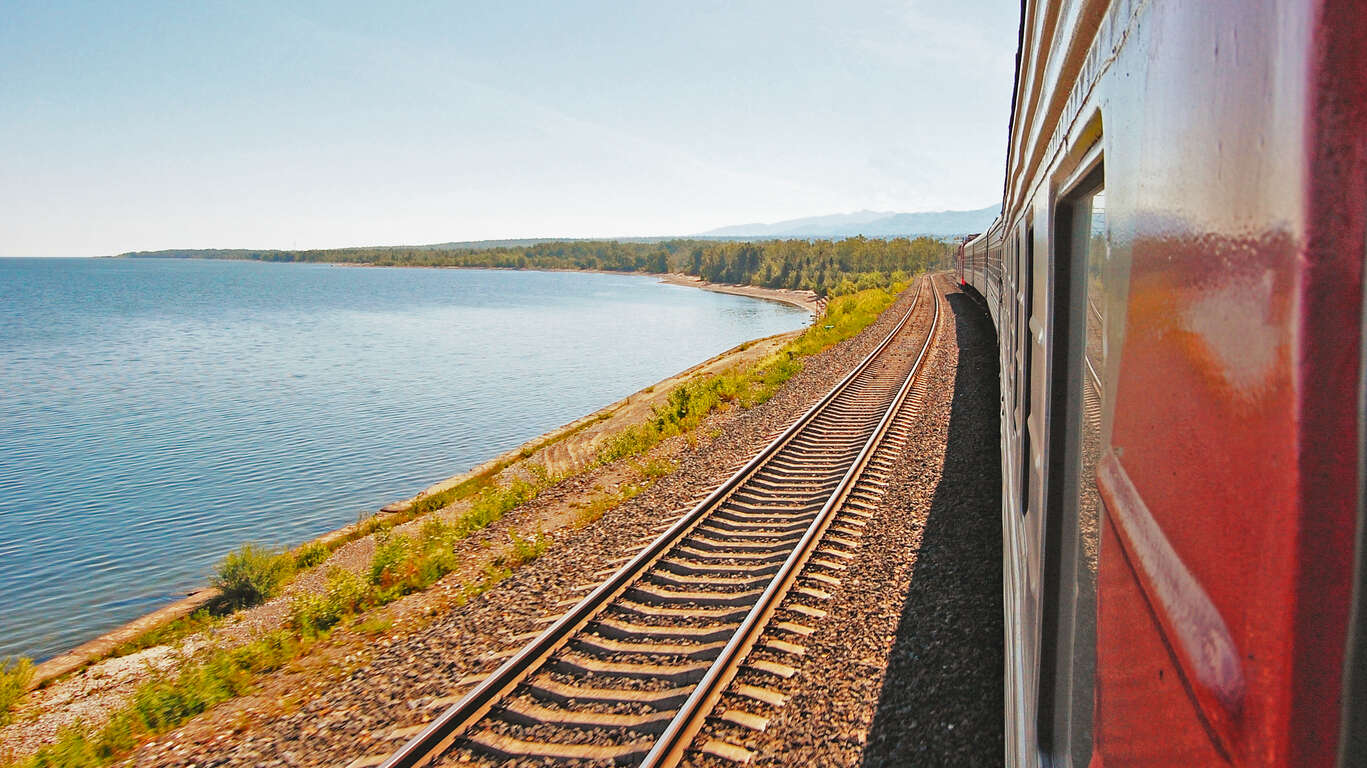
{"x": 155, "y": 414}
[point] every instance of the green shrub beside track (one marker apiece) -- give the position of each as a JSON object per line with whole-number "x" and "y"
{"x": 14, "y": 678}
{"x": 250, "y": 576}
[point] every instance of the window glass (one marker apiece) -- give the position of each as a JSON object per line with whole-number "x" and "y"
{"x": 1094, "y": 365}
{"x": 1091, "y": 255}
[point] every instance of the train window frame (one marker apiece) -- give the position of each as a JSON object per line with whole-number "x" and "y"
{"x": 1057, "y": 720}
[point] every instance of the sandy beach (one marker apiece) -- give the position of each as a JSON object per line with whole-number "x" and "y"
{"x": 807, "y": 300}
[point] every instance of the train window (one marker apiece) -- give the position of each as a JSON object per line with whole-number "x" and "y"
{"x": 1073, "y": 528}
{"x": 1091, "y": 237}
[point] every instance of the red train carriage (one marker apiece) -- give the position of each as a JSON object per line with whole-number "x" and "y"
{"x": 1177, "y": 282}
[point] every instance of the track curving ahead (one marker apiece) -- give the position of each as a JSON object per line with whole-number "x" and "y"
{"x": 630, "y": 674}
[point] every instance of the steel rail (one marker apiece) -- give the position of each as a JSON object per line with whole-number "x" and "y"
{"x": 670, "y": 747}
{"x": 442, "y": 732}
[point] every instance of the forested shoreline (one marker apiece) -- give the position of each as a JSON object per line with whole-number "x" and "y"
{"x": 828, "y": 267}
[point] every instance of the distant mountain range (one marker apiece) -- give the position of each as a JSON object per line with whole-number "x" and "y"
{"x": 869, "y": 224}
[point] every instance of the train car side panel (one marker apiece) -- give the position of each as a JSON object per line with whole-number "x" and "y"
{"x": 1182, "y": 347}
{"x": 1210, "y": 431}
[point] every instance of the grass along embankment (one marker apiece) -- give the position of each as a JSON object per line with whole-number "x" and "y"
{"x": 408, "y": 551}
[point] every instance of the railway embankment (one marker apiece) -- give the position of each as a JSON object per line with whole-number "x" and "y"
{"x": 480, "y": 593}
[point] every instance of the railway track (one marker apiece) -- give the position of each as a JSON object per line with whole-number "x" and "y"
{"x": 631, "y": 673}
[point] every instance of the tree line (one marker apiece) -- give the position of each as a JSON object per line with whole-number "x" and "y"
{"x": 828, "y": 267}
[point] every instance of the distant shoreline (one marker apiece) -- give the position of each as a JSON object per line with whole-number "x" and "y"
{"x": 807, "y": 300}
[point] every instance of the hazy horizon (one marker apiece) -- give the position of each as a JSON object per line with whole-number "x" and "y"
{"x": 252, "y": 126}
{"x": 707, "y": 235}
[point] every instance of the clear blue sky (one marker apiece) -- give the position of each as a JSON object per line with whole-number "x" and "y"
{"x": 132, "y": 126}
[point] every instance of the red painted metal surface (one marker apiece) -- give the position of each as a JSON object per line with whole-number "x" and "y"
{"x": 1234, "y": 139}
{"x": 1236, "y": 415}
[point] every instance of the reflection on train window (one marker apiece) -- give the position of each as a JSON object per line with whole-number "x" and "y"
{"x": 1094, "y": 363}
{"x": 1072, "y": 530}
{"x": 1090, "y": 254}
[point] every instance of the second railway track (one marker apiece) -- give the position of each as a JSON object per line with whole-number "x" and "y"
{"x": 630, "y": 673}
